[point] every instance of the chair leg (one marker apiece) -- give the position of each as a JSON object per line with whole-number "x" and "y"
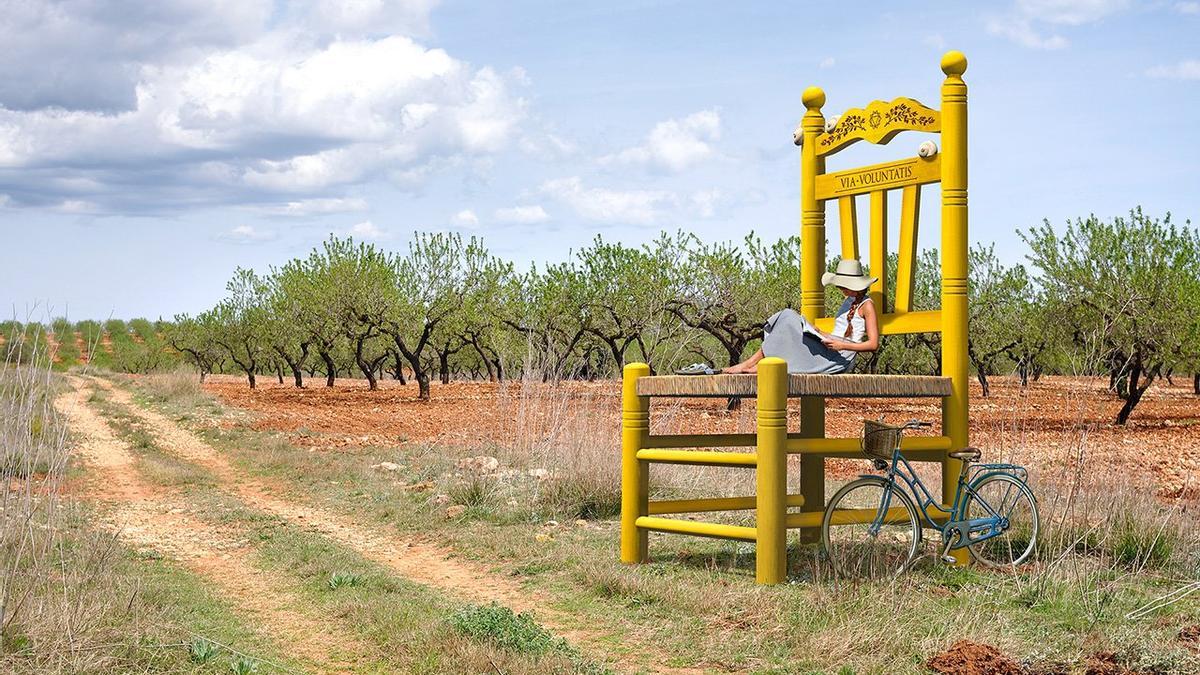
{"x": 771, "y": 473}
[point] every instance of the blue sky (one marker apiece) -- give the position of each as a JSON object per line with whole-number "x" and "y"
{"x": 147, "y": 149}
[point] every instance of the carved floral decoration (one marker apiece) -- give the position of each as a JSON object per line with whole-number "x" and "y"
{"x": 898, "y": 114}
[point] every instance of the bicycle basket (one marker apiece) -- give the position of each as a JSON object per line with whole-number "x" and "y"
{"x": 879, "y": 440}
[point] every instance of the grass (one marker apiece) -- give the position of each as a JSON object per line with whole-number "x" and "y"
{"x": 1105, "y": 551}
{"x": 403, "y": 623}
{"x": 72, "y": 598}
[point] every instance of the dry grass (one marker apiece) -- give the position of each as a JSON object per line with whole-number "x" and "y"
{"x": 56, "y": 587}
{"x": 181, "y": 385}
{"x": 72, "y": 600}
{"x": 1109, "y": 547}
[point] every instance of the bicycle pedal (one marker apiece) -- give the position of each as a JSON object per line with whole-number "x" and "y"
{"x": 949, "y": 559}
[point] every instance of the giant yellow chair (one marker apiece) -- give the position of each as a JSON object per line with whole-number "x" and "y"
{"x": 878, "y": 123}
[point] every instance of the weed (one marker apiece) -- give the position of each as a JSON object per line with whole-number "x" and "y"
{"x": 499, "y": 626}
{"x": 1137, "y": 543}
{"x": 243, "y": 665}
{"x": 181, "y": 385}
{"x": 344, "y": 579}
{"x": 476, "y": 492}
{"x": 202, "y": 651}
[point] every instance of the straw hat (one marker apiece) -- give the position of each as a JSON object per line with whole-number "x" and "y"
{"x": 850, "y": 275}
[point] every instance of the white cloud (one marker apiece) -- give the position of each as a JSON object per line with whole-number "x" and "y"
{"x": 547, "y": 146}
{"x": 89, "y": 55}
{"x": 465, "y": 218}
{"x": 250, "y": 114}
{"x": 247, "y": 234}
{"x": 1070, "y": 12}
{"x": 77, "y": 206}
{"x": 827, "y": 62}
{"x": 369, "y": 16}
{"x": 1187, "y": 7}
{"x": 5, "y": 200}
{"x": 521, "y": 215}
{"x": 368, "y": 231}
{"x": 936, "y": 40}
{"x": 634, "y": 207}
{"x": 316, "y": 206}
{"x": 1021, "y": 31}
{"x": 1184, "y": 70}
{"x": 675, "y": 144}
{"x": 1021, "y": 24}
{"x": 705, "y": 202}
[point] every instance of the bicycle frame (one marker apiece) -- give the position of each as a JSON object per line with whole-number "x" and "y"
{"x": 958, "y": 532}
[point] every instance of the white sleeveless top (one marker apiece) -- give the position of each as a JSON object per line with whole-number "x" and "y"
{"x": 858, "y": 325}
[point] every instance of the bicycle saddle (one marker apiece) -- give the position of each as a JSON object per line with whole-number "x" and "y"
{"x": 967, "y": 454}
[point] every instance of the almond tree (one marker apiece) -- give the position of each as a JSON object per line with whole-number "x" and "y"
{"x": 549, "y": 309}
{"x": 285, "y": 330}
{"x": 196, "y": 338}
{"x": 997, "y": 296}
{"x": 1133, "y": 282}
{"x": 356, "y": 284}
{"x": 623, "y": 291}
{"x": 240, "y": 319}
{"x": 429, "y": 285}
{"x": 729, "y": 293}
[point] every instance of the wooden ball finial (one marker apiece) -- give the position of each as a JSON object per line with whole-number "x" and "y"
{"x": 954, "y": 63}
{"x": 813, "y": 98}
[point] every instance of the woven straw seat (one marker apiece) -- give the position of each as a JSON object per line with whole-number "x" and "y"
{"x": 845, "y": 386}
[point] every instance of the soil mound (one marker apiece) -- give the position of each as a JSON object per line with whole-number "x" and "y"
{"x": 971, "y": 658}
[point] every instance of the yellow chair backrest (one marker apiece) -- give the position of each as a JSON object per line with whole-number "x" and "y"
{"x": 879, "y": 123}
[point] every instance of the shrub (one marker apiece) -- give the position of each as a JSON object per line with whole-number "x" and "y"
{"x": 499, "y": 626}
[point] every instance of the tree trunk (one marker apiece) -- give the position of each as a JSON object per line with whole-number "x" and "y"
{"x": 330, "y": 369}
{"x": 980, "y": 372}
{"x": 1135, "y": 395}
{"x": 1136, "y": 385}
{"x": 367, "y": 368}
{"x": 983, "y": 381}
{"x": 734, "y": 351}
{"x": 204, "y": 374}
{"x": 250, "y": 377}
{"x": 297, "y": 375}
{"x": 422, "y": 385}
{"x": 1196, "y": 384}
{"x": 444, "y": 367}
{"x": 279, "y": 373}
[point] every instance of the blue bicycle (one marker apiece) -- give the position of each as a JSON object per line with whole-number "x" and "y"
{"x": 872, "y": 527}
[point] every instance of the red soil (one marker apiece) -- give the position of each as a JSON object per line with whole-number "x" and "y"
{"x": 1055, "y": 426}
{"x": 971, "y": 658}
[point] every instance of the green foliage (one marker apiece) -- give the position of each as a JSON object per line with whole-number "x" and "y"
{"x": 447, "y": 306}
{"x": 243, "y": 665}
{"x": 344, "y": 580}
{"x": 202, "y": 651}
{"x": 728, "y": 291}
{"x": 1126, "y": 288}
{"x": 499, "y": 626}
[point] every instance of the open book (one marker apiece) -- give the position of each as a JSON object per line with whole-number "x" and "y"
{"x": 812, "y": 330}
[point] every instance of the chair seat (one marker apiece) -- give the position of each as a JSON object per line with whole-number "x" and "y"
{"x": 967, "y": 454}
{"x": 832, "y": 386}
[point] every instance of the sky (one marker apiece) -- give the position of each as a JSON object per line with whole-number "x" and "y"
{"x": 149, "y": 149}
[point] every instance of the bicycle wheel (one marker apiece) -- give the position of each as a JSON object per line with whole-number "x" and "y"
{"x": 853, "y": 546}
{"x": 1007, "y": 496}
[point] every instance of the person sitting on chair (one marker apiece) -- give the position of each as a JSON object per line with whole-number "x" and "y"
{"x": 789, "y": 336}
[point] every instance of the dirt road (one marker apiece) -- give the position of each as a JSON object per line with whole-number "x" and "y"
{"x": 153, "y": 520}
{"x": 150, "y": 517}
